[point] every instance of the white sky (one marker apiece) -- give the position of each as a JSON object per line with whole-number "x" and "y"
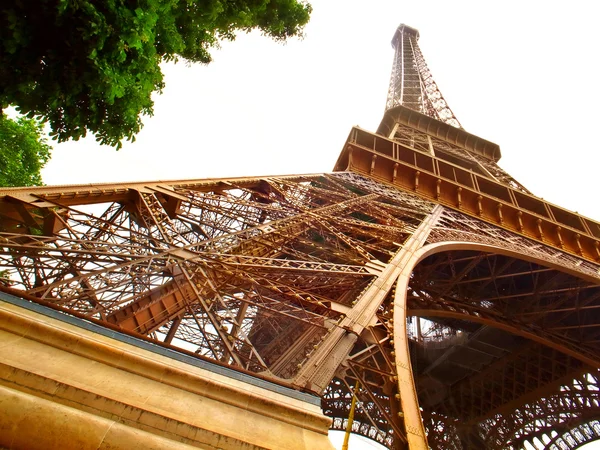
{"x": 523, "y": 74}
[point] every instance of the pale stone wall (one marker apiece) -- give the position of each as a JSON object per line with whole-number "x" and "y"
{"x": 66, "y": 387}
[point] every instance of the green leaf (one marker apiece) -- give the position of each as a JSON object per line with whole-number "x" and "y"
{"x": 23, "y": 151}
{"x": 98, "y": 71}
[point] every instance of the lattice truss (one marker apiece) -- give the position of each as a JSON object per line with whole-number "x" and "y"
{"x": 454, "y": 154}
{"x": 505, "y": 352}
{"x": 261, "y": 274}
{"x": 236, "y": 271}
{"x": 411, "y": 82}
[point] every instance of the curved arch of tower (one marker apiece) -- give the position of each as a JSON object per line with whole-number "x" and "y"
{"x": 460, "y": 310}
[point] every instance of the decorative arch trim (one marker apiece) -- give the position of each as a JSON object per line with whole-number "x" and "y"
{"x": 406, "y": 385}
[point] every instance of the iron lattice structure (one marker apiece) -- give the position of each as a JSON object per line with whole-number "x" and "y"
{"x": 466, "y": 309}
{"x": 411, "y": 82}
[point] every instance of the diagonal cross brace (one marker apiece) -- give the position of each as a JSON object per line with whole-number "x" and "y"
{"x": 317, "y": 372}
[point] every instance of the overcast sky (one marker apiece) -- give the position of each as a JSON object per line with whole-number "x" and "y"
{"x": 523, "y": 74}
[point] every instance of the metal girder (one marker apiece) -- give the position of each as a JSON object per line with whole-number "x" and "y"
{"x": 458, "y": 186}
{"x": 499, "y": 384}
{"x": 314, "y": 281}
{"x": 217, "y": 266}
{"x": 551, "y": 418}
{"x": 319, "y": 369}
{"x": 577, "y": 436}
{"x": 411, "y": 82}
{"x": 272, "y": 275}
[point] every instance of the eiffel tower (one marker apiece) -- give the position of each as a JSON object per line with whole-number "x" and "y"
{"x": 460, "y": 310}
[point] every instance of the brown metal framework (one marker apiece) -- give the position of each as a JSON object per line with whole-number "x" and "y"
{"x": 466, "y": 309}
{"x": 411, "y": 82}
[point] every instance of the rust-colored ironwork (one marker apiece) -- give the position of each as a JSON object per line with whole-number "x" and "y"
{"x": 411, "y": 82}
{"x": 465, "y": 308}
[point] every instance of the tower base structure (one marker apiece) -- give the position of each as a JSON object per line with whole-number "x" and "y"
{"x": 201, "y": 313}
{"x": 70, "y": 384}
{"x": 460, "y": 310}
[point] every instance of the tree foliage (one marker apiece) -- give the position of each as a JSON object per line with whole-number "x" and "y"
{"x": 88, "y": 65}
{"x": 23, "y": 151}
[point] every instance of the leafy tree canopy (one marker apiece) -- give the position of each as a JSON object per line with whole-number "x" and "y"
{"x": 89, "y": 65}
{"x": 23, "y": 151}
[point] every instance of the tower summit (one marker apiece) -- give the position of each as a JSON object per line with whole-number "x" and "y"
{"x": 461, "y": 311}
{"x": 411, "y": 82}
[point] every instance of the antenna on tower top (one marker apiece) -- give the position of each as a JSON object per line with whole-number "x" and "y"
{"x": 411, "y": 82}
